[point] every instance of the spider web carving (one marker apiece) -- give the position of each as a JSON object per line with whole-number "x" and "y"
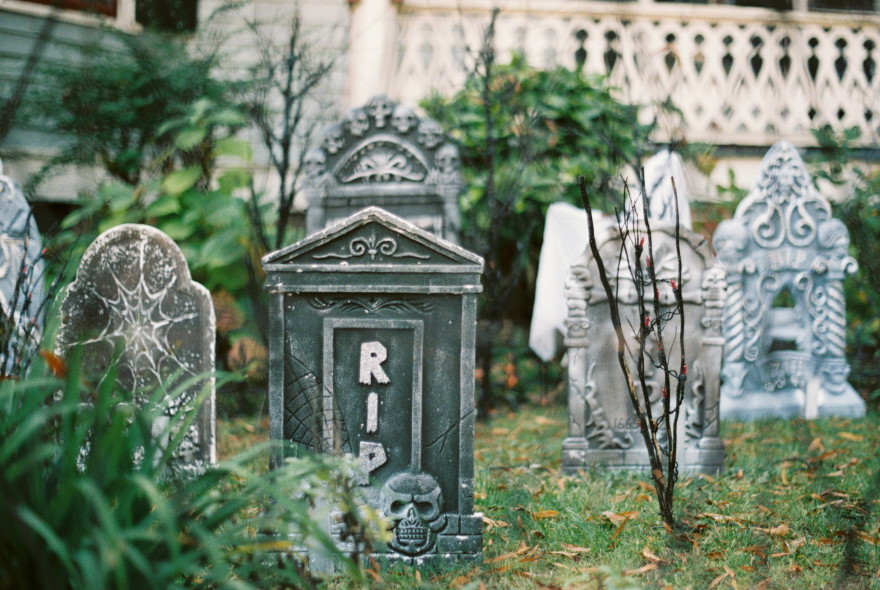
{"x": 305, "y": 420}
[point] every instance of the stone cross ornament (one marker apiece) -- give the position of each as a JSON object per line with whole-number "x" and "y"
{"x": 785, "y": 258}
{"x": 373, "y": 328}
{"x": 383, "y": 154}
{"x": 603, "y": 429}
{"x": 133, "y": 299}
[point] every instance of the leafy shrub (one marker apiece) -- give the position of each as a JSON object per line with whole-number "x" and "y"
{"x": 112, "y": 109}
{"x": 525, "y": 136}
{"x": 85, "y": 504}
{"x": 860, "y": 211}
{"x": 547, "y": 127}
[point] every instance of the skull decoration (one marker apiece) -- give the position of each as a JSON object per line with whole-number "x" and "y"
{"x": 413, "y": 502}
{"x": 334, "y": 139}
{"x": 730, "y": 241}
{"x": 404, "y": 119}
{"x": 380, "y": 108}
{"x": 315, "y": 162}
{"x": 448, "y": 162}
{"x": 357, "y": 122}
{"x": 430, "y": 133}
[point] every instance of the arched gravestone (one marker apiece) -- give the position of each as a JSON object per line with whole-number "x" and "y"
{"x": 384, "y": 155}
{"x": 22, "y": 292}
{"x": 784, "y": 314}
{"x": 603, "y": 429}
{"x": 133, "y": 296}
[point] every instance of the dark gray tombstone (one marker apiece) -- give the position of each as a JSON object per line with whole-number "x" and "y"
{"x": 603, "y": 429}
{"x": 22, "y": 291}
{"x": 384, "y": 155}
{"x": 785, "y": 314}
{"x": 372, "y": 355}
{"x": 133, "y": 297}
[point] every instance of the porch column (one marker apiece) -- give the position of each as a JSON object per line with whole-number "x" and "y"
{"x": 371, "y": 49}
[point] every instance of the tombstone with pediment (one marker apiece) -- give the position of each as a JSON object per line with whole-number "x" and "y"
{"x": 785, "y": 314}
{"x": 383, "y": 154}
{"x": 373, "y": 328}
{"x": 22, "y": 292}
{"x": 133, "y": 300}
{"x": 603, "y": 428}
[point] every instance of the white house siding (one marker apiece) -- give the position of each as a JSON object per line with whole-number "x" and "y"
{"x": 324, "y": 27}
{"x": 29, "y": 144}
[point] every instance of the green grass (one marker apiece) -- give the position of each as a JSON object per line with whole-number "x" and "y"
{"x": 796, "y": 505}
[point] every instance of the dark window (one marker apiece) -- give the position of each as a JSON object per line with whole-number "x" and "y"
{"x": 771, "y": 4}
{"x": 167, "y": 15}
{"x": 859, "y": 5}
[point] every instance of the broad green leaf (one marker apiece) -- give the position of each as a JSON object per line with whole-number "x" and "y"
{"x": 190, "y": 137}
{"x": 164, "y": 205}
{"x": 232, "y": 146}
{"x": 181, "y": 180}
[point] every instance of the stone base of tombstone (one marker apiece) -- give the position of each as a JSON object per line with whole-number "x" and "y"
{"x": 792, "y": 403}
{"x": 706, "y": 457}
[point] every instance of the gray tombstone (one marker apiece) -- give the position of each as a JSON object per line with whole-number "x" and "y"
{"x": 373, "y": 327}
{"x": 384, "y": 155}
{"x": 133, "y": 297}
{"x": 603, "y": 429}
{"x": 22, "y": 292}
{"x": 784, "y": 313}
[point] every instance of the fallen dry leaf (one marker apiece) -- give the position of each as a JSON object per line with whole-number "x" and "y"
{"x": 816, "y": 446}
{"x": 491, "y": 523}
{"x": 714, "y": 583}
{"x": 652, "y": 557}
{"x": 542, "y": 514}
{"x": 55, "y": 363}
{"x": 851, "y": 436}
{"x": 523, "y": 548}
{"x": 648, "y": 567}
{"x": 781, "y": 530}
{"x": 574, "y": 548}
{"x": 721, "y": 518}
{"x": 618, "y": 519}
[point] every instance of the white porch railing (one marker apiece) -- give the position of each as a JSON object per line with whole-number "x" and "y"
{"x": 740, "y": 76}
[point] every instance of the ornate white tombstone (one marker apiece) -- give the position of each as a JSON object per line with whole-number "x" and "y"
{"x": 372, "y": 355}
{"x": 603, "y": 429}
{"x": 384, "y": 155}
{"x": 22, "y": 291}
{"x": 133, "y": 297}
{"x": 784, "y": 313}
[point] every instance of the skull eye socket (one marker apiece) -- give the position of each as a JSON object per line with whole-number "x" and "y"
{"x": 424, "y": 507}
{"x": 397, "y": 506}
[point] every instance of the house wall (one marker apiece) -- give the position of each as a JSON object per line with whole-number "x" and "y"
{"x": 325, "y": 30}
{"x": 29, "y": 143}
